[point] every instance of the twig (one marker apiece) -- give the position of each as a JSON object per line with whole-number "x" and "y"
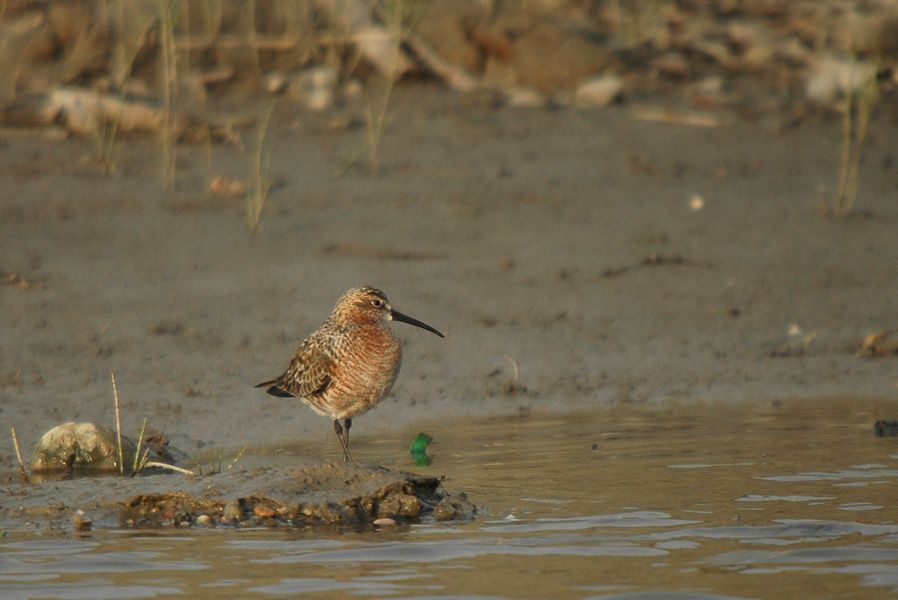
{"x": 118, "y": 427}
{"x": 153, "y": 463}
{"x": 236, "y": 458}
{"x": 457, "y": 77}
{"x": 514, "y": 367}
{"x": 669, "y": 116}
{"x": 15, "y": 442}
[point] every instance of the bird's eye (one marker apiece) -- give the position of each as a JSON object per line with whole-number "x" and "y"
{"x": 377, "y": 303}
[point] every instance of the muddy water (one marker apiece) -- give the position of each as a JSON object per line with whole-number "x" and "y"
{"x": 776, "y": 501}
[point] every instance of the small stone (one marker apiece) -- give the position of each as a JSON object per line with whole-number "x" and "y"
{"x": 204, "y": 520}
{"x": 600, "y": 91}
{"x": 833, "y": 76}
{"x": 399, "y": 504}
{"x": 231, "y": 512}
{"x": 319, "y": 99}
{"x": 264, "y": 512}
{"x": 80, "y": 521}
{"x": 352, "y": 88}
{"x": 384, "y": 522}
{"x": 524, "y": 98}
{"x": 454, "y": 508}
{"x": 275, "y": 83}
{"x": 314, "y": 87}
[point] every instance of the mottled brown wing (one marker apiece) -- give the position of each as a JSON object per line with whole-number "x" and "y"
{"x": 311, "y": 370}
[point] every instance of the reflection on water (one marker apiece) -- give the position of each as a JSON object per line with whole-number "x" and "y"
{"x": 794, "y": 501}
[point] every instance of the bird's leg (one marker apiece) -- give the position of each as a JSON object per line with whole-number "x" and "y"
{"x": 343, "y": 441}
{"x": 347, "y": 423}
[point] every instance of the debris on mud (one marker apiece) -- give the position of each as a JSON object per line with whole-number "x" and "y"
{"x": 749, "y": 56}
{"x": 797, "y": 343}
{"x": 880, "y": 343}
{"x": 651, "y": 260}
{"x": 885, "y": 428}
{"x": 17, "y": 280}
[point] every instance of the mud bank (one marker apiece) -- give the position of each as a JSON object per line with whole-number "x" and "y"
{"x": 312, "y": 494}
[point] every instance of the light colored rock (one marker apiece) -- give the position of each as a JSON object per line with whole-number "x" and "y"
{"x": 377, "y": 44}
{"x": 79, "y": 445}
{"x": 833, "y": 76}
{"x": 521, "y": 97}
{"x": 80, "y": 521}
{"x": 353, "y": 88}
{"x": 274, "y": 82}
{"x": 600, "y": 91}
{"x": 314, "y": 87}
{"x": 319, "y": 99}
{"x": 231, "y": 513}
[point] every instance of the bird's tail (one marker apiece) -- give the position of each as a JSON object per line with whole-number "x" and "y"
{"x": 274, "y": 388}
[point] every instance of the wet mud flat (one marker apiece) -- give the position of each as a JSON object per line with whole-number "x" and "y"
{"x": 306, "y": 495}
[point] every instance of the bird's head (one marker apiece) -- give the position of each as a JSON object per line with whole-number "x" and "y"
{"x": 367, "y": 304}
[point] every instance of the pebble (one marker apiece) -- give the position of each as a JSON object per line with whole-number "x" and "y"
{"x": 231, "y": 512}
{"x": 524, "y": 98}
{"x": 600, "y": 91}
{"x": 833, "y": 76}
{"x": 384, "y": 522}
{"x": 80, "y": 521}
{"x": 264, "y": 512}
{"x": 314, "y": 87}
{"x": 204, "y": 520}
{"x": 274, "y": 83}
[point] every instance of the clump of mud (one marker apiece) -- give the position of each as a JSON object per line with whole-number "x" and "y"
{"x": 316, "y": 494}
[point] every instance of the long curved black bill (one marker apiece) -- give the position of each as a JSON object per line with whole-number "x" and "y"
{"x": 398, "y": 316}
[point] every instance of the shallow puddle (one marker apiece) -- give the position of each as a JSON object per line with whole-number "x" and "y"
{"x": 792, "y": 500}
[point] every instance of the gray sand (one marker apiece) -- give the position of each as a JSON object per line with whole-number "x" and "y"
{"x": 513, "y": 231}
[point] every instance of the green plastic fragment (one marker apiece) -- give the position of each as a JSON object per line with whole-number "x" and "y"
{"x": 418, "y": 450}
{"x": 420, "y": 444}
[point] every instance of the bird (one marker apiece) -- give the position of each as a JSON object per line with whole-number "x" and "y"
{"x": 347, "y": 365}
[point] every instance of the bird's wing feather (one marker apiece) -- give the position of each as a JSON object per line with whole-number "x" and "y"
{"x": 311, "y": 370}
